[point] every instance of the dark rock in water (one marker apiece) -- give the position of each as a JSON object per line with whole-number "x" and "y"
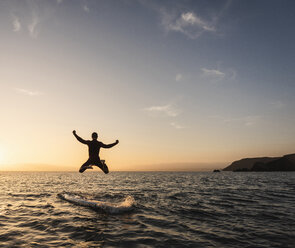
{"x": 285, "y": 163}
{"x": 216, "y": 171}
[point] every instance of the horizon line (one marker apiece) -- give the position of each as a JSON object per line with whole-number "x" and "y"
{"x": 110, "y": 171}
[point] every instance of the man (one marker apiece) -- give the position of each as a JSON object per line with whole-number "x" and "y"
{"x": 93, "y": 147}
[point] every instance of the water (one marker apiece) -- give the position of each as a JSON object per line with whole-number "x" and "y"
{"x": 162, "y": 209}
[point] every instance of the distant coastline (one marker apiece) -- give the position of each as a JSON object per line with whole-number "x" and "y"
{"x": 284, "y": 163}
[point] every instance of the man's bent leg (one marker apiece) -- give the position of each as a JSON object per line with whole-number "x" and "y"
{"x": 85, "y": 166}
{"x": 101, "y": 164}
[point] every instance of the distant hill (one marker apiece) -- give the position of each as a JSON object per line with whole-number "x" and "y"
{"x": 285, "y": 163}
{"x": 247, "y": 163}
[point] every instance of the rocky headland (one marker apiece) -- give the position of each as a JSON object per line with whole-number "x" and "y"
{"x": 284, "y": 163}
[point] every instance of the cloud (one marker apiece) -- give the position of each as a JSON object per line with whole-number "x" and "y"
{"x": 85, "y": 8}
{"x": 28, "y": 92}
{"x": 178, "y": 77}
{"x": 16, "y": 24}
{"x": 167, "y": 110}
{"x": 217, "y": 75}
{"x": 232, "y": 74}
{"x": 278, "y": 104}
{"x": 191, "y": 20}
{"x": 187, "y": 23}
{"x": 32, "y": 27}
{"x": 250, "y": 120}
{"x": 212, "y": 73}
{"x": 177, "y": 126}
{"x": 59, "y": 1}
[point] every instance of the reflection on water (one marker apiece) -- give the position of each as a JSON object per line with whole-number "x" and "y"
{"x": 169, "y": 209}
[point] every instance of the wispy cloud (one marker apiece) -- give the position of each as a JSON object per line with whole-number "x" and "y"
{"x": 278, "y": 104}
{"x": 31, "y": 14}
{"x": 178, "y": 77}
{"x": 32, "y": 27}
{"x": 232, "y": 74}
{"x": 187, "y": 23}
{"x": 187, "y": 19}
{"x": 250, "y": 120}
{"x": 28, "y": 92}
{"x": 212, "y": 73}
{"x": 190, "y": 18}
{"x": 16, "y": 23}
{"x": 176, "y": 125}
{"x": 86, "y": 8}
{"x": 59, "y": 1}
{"x": 167, "y": 110}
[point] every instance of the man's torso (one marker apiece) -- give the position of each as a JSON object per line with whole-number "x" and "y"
{"x": 93, "y": 148}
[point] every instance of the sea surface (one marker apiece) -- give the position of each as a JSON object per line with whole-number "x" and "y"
{"x": 147, "y": 209}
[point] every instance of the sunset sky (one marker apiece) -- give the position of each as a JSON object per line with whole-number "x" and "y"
{"x": 183, "y": 85}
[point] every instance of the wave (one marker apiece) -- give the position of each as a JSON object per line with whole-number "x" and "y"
{"x": 113, "y": 208}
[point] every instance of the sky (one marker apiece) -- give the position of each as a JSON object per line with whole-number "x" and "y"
{"x": 183, "y": 85}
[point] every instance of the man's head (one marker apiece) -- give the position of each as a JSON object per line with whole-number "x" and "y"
{"x": 94, "y": 135}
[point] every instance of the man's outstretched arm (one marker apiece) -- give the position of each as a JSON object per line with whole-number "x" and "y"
{"x": 79, "y": 138}
{"x": 109, "y": 145}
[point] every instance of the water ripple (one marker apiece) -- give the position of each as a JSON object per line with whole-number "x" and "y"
{"x": 169, "y": 210}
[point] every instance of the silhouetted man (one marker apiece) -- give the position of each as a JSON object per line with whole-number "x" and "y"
{"x": 94, "y": 146}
